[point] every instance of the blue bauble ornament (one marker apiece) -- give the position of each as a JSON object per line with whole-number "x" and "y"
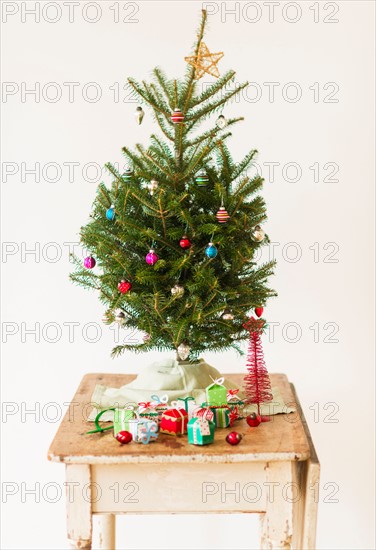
{"x": 110, "y": 214}
{"x": 211, "y": 250}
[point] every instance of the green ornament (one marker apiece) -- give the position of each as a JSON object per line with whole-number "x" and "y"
{"x": 202, "y": 178}
{"x": 128, "y": 175}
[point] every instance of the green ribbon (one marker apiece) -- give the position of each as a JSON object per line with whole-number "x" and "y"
{"x": 99, "y": 429}
{"x": 186, "y": 399}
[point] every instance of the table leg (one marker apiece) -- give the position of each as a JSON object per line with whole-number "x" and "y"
{"x": 277, "y": 521}
{"x": 79, "y": 495}
{"x": 311, "y": 503}
{"x": 104, "y": 527}
{"x": 310, "y": 480}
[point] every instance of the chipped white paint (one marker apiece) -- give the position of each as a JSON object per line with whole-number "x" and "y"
{"x": 104, "y": 529}
{"x": 79, "y": 518}
{"x": 180, "y": 459}
{"x": 160, "y": 488}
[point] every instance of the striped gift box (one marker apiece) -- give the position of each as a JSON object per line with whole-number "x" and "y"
{"x": 221, "y": 416}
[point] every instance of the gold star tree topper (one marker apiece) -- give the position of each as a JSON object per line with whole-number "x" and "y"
{"x": 204, "y": 62}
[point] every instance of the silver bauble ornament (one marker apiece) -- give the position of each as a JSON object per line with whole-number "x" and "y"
{"x": 177, "y": 291}
{"x": 227, "y": 315}
{"x": 221, "y": 121}
{"x": 258, "y": 234}
{"x": 120, "y": 317}
{"x": 139, "y": 114}
{"x": 152, "y": 186}
{"x": 183, "y": 351}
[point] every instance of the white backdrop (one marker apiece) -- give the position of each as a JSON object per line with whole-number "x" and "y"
{"x": 309, "y": 112}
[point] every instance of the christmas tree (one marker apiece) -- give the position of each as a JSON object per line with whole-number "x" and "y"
{"x": 174, "y": 238}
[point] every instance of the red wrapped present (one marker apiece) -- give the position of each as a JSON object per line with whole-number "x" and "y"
{"x": 174, "y": 421}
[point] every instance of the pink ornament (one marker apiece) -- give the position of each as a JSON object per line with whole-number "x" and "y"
{"x": 151, "y": 258}
{"x": 89, "y": 262}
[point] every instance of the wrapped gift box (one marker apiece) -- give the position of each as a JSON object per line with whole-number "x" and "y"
{"x": 147, "y": 431}
{"x": 160, "y": 404}
{"x": 148, "y": 410}
{"x": 221, "y": 416}
{"x": 189, "y": 404}
{"x": 204, "y": 412}
{"x": 200, "y": 431}
{"x": 174, "y": 422}
{"x": 125, "y": 420}
{"x": 216, "y": 393}
{"x": 235, "y": 403}
{"x": 237, "y": 406}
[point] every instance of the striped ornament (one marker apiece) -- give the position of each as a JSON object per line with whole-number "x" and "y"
{"x": 128, "y": 175}
{"x": 202, "y": 178}
{"x": 222, "y": 215}
{"x": 177, "y": 116}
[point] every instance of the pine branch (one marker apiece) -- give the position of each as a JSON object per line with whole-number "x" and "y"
{"x": 212, "y": 107}
{"x": 164, "y": 84}
{"x": 243, "y": 165}
{"x": 212, "y": 90}
{"x": 165, "y": 129}
{"x": 145, "y": 94}
{"x": 212, "y": 133}
{"x": 152, "y": 161}
{"x": 189, "y": 84}
{"x": 198, "y": 158}
{"x": 159, "y": 98}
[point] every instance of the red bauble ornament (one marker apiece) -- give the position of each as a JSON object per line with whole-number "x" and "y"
{"x": 222, "y": 215}
{"x": 185, "y": 242}
{"x": 124, "y": 286}
{"x": 234, "y": 438}
{"x": 177, "y": 116}
{"x": 259, "y": 311}
{"x": 124, "y": 437}
{"x": 253, "y": 420}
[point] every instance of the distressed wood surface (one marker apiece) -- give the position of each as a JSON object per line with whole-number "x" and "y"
{"x": 104, "y": 532}
{"x": 309, "y": 483}
{"x": 277, "y": 521}
{"x": 182, "y": 489}
{"x": 79, "y": 512}
{"x": 283, "y": 438}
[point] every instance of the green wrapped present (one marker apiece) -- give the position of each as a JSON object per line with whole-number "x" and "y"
{"x": 124, "y": 420}
{"x": 216, "y": 393}
{"x": 221, "y": 416}
{"x": 200, "y": 431}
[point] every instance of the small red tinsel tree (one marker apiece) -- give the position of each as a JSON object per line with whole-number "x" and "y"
{"x": 257, "y": 382}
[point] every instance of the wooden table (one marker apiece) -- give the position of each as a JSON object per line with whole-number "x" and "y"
{"x": 274, "y": 472}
